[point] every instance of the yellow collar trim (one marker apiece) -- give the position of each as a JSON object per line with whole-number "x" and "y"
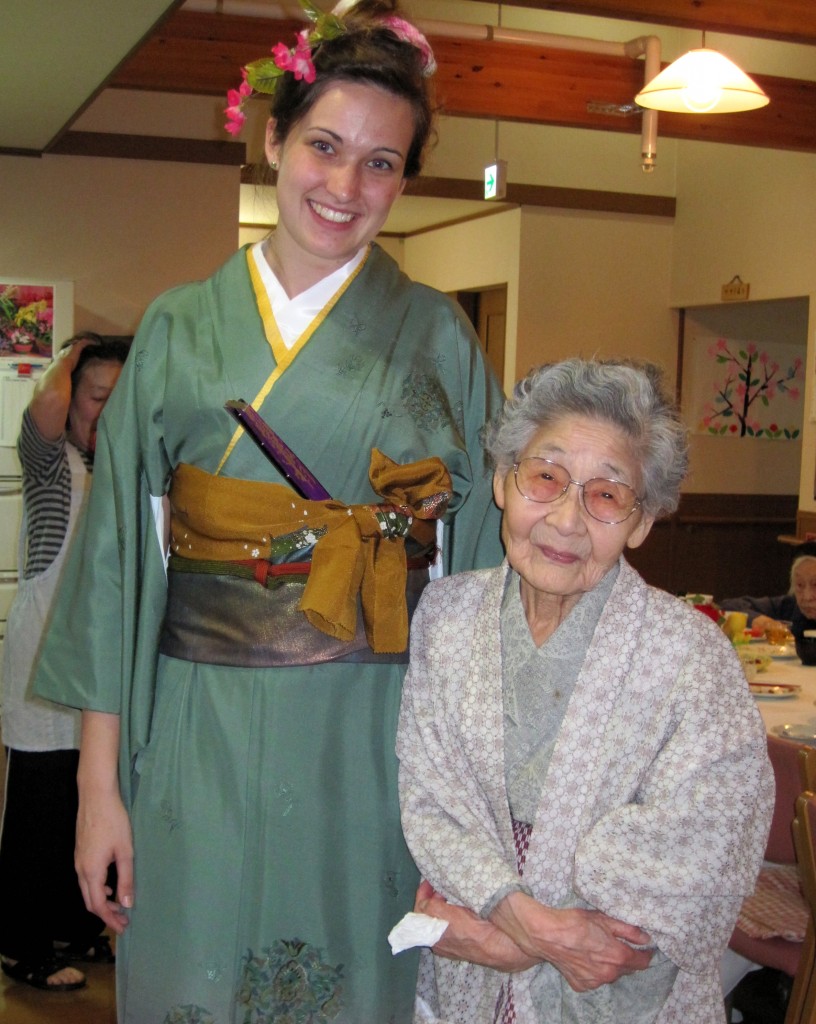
{"x": 282, "y": 355}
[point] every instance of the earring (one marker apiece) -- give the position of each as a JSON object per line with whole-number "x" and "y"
{"x": 273, "y": 164}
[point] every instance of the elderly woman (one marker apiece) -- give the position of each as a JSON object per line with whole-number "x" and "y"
{"x": 797, "y": 607}
{"x": 583, "y": 774}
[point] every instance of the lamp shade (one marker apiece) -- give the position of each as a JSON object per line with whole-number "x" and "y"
{"x": 702, "y": 82}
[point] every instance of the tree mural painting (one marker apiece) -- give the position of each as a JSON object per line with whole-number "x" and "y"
{"x": 750, "y": 376}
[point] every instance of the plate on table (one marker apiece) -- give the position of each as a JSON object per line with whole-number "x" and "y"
{"x": 801, "y": 732}
{"x": 776, "y": 651}
{"x": 774, "y": 691}
{"x": 783, "y": 651}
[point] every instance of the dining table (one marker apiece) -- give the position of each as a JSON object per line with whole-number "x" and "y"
{"x": 785, "y": 693}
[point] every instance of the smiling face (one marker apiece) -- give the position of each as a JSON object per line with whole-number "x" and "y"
{"x": 557, "y": 548}
{"x": 93, "y": 389}
{"x": 340, "y": 169}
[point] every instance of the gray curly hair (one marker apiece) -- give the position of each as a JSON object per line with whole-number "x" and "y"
{"x": 625, "y": 393}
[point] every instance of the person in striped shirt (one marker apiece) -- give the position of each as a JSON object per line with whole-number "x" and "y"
{"x": 40, "y": 899}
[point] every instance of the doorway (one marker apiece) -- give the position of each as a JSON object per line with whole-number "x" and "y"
{"x": 486, "y": 308}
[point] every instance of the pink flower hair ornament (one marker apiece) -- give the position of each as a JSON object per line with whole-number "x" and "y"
{"x": 409, "y": 33}
{"x": 261, "y": 76}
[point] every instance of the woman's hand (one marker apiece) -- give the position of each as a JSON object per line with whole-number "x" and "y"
{"x": 103, "y": 835}
{"x": 761, "y": 623}
{"x": 468, "y": 936}
{"x": 587, "y": 947}
{"x": 103, "y": 838}
{"x": 52, "y": 394}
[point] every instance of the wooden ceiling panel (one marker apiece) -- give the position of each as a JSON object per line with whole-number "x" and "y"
{"x": 788, "y": 20}
{"x": 201, "y": 53}
{"x": 521, "y": 83}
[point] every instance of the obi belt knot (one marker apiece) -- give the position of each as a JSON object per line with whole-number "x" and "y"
{"x": 356, "y": 550}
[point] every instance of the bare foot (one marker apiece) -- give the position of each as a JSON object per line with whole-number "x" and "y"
{"x": 66, "y": 976}
{"x": 48, "y": 974}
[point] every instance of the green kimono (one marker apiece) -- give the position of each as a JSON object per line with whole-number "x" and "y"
{"x": 269, "y": 860}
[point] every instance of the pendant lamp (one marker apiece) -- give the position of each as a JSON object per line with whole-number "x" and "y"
{"x": 702, "y": 82}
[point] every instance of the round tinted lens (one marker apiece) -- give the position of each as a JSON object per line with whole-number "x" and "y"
{"x": 609, "y": 500}
{"x": 540, "y": 480}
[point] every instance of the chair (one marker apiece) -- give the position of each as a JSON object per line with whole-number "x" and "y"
{"x": 802, "y": 1004}
{"x": 777, "y": 952}
{"x": 807, "y": 769}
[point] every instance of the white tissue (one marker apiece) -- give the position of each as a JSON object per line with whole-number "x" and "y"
{"x": 416, "y": 930}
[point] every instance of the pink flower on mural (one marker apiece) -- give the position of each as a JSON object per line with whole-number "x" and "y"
{"x": 751, "y": 376}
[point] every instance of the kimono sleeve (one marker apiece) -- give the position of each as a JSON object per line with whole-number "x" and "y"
{"x": 446, "y": 810}
{"x": 679, "y": 857}
{"x": 108, "y": 609}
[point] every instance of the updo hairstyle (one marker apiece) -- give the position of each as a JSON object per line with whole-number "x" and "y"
{"x": 368, "y": 52}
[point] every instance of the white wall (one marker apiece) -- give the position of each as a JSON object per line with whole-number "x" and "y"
{"x": 480, "y": 253}
{"x": 750, "y": 212}
{"x": 595, "y": 284}
{"x": 122, "y": 230}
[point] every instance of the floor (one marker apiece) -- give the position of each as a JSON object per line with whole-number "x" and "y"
{"x": 94, "y": 1004}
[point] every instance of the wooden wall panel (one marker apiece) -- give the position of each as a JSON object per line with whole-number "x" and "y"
{"x": 721, "y": 544}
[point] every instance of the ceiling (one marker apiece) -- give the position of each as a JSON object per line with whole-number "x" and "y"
{"x": 55, "y": 57}
{"x": 79, "y": 47}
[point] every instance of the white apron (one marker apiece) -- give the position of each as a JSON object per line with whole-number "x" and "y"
{"x": 31, "y": 723}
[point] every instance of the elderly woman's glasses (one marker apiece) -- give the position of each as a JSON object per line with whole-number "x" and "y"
{"x": 608, "y": 501}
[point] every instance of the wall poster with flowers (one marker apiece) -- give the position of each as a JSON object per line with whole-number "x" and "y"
{"x": 35, "y": 316}
{"x": 741, "y": 388}
{"x": 26, "y": 319}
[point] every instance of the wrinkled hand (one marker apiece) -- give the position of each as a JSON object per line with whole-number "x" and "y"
{"x": 587, "y": 947}
{"x": 103, "y": 837}
{"x": 762, "y": 623}
{"x": 468, "y": 936}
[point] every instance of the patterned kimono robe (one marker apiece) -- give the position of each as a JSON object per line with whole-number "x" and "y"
{"x": 269, "y": 860}
{"x": 656, "y": 804}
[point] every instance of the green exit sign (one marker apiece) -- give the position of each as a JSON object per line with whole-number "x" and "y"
{"x": 495, "y": 180}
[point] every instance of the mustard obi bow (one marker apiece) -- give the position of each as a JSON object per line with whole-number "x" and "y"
{"x": 357, "y": 549}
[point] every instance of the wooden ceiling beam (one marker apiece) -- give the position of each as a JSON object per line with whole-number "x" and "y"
{"x": 788, "y": 20}
{"x": 201, "y": 54}
{"x": 520, "y": 83}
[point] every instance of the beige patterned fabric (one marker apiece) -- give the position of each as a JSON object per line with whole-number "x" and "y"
{"x": 777, "y": 909}
{"x": 655, "y": 808}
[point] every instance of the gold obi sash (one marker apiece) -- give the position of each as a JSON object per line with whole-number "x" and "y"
{"x": 260, "y": 576}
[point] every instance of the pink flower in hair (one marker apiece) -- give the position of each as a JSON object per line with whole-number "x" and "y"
{"x": 409, "y": 33}
{"x": 235, "y": 102}
{"x": 298, "y": 60}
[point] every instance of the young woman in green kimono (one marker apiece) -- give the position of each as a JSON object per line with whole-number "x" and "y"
{"x": 239, "y": 712}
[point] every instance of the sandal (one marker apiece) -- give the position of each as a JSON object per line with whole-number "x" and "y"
{"x": 98, "y": 953}
{"x": 37, "y": 974}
